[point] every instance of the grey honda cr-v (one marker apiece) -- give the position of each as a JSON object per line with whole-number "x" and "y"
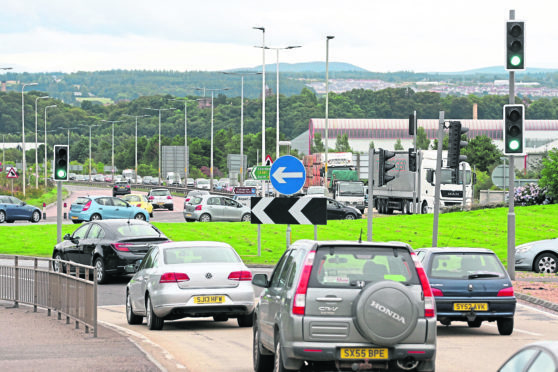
{"x": 345, "y": 305}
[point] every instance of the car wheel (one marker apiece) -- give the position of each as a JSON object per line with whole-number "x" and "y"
{"x": 140, "y": 216}
{"x": 220, "y": 318}
{"x": 2, "y": 216}
{"x": 246, "y": 320}
{"x": 405, "y": 207}
{"x": 101, "y": 272}
{"x": 76, "y": 221}
{"x": 130, "y": 316}
{"x": 151, "y": 215}
{"x": 154, "y": 323}
{"x": 505, "y": 326}
{"x": 349, "y": 216}
{"x": 56, "y": 265}
{"x": 424, "y": 209}
{"x": 262, "y": 362}
{"x": 36, "y": 216}
{"x": 171, "y": 209}
{"x": 474, "y": 323}
{"x": 205, "y": 218}
{"x": 546, "y": 263}
{"x": 95, "y": 217}
{"x": 246, "y": 218}
{"x": 278, "y": 365}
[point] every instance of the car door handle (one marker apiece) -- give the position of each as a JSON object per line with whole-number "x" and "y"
{"x": 329, "y": 299}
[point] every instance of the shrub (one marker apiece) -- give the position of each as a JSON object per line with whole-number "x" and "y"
{"x": 531, "y": 194}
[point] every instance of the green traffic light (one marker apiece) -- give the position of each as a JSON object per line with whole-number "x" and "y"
{"x": 61, "y": 173}
{"x": 513, "y": 145}
{"x": 515, "y": 60}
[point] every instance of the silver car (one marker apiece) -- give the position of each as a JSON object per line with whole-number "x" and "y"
{"x": 206, "y": 208}
{"x": 190, "y": 279}
{"x": 160, "y": 198}
{"x": 540, "y": 256}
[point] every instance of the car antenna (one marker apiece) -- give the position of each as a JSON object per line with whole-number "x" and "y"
{"x": 360, "y": 237}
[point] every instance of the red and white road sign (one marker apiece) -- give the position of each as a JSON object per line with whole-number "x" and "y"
{"x": 268, "y": 160}
{"x": 12, "y": 173}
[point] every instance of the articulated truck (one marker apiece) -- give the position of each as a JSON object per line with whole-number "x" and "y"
{"x": 397, "y": 194}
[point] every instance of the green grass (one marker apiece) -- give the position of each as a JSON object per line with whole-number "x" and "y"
{"x": 485, "y": 228}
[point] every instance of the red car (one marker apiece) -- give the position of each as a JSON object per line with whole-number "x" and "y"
{"x": 108, "y": 178}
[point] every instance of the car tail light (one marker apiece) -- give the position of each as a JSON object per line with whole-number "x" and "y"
{"x": 86, "y": 206}
{"x": 186, "y": 200}
{"x": 169, "y": 197}
{"x": 173, "y": 278}
{"x": 122, "y": 247}
{"x": 299, "y": 302}
{"x": 437, "y": 293}
{"x": 151, "y": 198}
{"x": 505, "y": 292}
{"x": 198, "y": 207}
{"x": 429, "y": 302}
{"x": 138, "y": 205}
{"x": 115, "y": 186}
{"x": 127, "y": 186}
{"x": 240, "y": 275}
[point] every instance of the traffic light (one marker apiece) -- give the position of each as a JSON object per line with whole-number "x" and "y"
{"x": 412, "y": 125}
{"x": 61, "y": 162}
{"x": 383, "y": 176}
{"x": 412, "y": 160}
{"x": 514, "y": 140}
{"x": 515, "y": 45}
{"x": 455, "y": 144}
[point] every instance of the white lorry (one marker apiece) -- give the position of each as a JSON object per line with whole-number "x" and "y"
{"x": 398, "y": 193}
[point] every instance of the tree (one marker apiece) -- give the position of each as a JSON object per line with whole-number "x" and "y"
{"x": 549, "y": 174}
{"x": 481, "y": 152}
{"x": 342, "y": 143}
{"x": 398, "y": 145}
{"x": 423, "y": 142}
{"x": 318, "y": 144}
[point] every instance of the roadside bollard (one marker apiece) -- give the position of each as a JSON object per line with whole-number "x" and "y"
{"x": 44, "y": 211}
{"x": 65, "y": 214}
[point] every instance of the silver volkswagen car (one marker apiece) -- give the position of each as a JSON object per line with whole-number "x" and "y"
{"x": 190, "y": 279}
{"x": 206, "y": 208}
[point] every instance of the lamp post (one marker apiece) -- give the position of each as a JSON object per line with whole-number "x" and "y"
{"x": 46, "y": 151}
{"x": 136, "y": 146}
{"x": 36, "y": 145}
{"x": 262, "y": 29}
{"x": 186, "y": 150}
{"x": 23, "y": 129}
{"x": 242, "y": 74}
{"x": 154, "y": 109}
{"x": 90, "y": 159}
{"x": 211, "y": 147}
{"x": 328, "y": 38}
{"x": 112, "y": 156}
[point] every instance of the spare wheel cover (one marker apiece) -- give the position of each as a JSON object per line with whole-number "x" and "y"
{"x": 385, "y": 312}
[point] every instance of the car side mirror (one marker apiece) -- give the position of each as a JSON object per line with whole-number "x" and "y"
{"x": 22, "y": 203}
{"x": 67, "y": 237}
{"x": 474, "y": 178}
{"x": 132, "y": 268}
{"x": 260, "y": 280}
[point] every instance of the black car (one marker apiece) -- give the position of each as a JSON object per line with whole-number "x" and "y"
{"x": 340, "y": 211}
{"x": 121, "y": 188}
{"x": 109, "y": 245}
{"x": 469, "y": 285}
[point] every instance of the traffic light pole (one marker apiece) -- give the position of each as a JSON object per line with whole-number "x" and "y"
{"x": 370, "y": 213}
{"x": 415, "y": 174}
{"x": 438, "y": 176}
{"x": 511, "y": 211}
{"x": 58, "y": 211}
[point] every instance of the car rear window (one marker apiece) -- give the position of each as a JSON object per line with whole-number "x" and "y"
{"x": 195, "y": 200}
{"x": 462, "y": 265}
{"x": 183, "y": 255}
{"x": 160, "y": 192}
{"x": 82, "y": 200}
{"x": 132, "y": 230}
{"x": 343, "y": 266}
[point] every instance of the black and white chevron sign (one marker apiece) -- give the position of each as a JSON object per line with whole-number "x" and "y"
{"x": 294, "y": 211}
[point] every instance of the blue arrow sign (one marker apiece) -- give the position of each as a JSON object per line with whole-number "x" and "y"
{"x": 287, "y": 175}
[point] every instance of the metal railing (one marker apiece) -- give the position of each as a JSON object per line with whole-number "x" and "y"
{"x": 33, "y": 281}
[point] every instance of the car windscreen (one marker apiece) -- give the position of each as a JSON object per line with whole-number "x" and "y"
{"x": 160, "y": 192}
{"x": 184, "y": 255}
{"x": 140, "y": 230}
{"x": 82, "y": 200}
{"x": 465, "y": 265}
{"x": 350, "y": 266}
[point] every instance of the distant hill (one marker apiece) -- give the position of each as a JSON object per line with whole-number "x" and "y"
{"x": 313, "y": 67}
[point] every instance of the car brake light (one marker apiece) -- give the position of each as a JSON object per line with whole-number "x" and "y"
{"x": 186, "y": 200}
{"x": 86, "y": 206}
{"x": 122, "y": 247}
{"x": 505, "y": 292}
{"x": 173, "y": 278}
{"x": 169, "y": 197}
{"x": 299, "y": 302}
{"x": 151, "y": 198}
{"x": 437, "y": 293}
{"x": 240, "y": 275}
{"x": 429, "y": 302}
{"x": 198, "y": 207}
{"x": 127, "y": 186}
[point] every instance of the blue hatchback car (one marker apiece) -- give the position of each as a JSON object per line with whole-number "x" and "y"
{"x": 11, "y": 209}
{"x": 469, "y": 285}
{"x": 91, "y": 208}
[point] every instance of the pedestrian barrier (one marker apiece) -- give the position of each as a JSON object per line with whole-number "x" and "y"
{"x": 33, "y": 281}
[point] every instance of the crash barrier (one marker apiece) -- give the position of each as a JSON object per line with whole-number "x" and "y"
{"x": 33, "y": 281}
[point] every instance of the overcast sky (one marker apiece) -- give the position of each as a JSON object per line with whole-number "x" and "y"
{"x": 185, "y": 35}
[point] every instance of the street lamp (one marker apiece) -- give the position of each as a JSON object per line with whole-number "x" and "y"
{"x": 154, "y": 109}
{"x": 23, "y": 128}
{"x": 242, "y": 74}
{"x": 136, "y": 157}
{"x": 90, "y": 159}
{"x": 328, "y": 38}
{"x": 262, "y": 29}
{"x": 112, "y": 122}
{"x": 211, "y": 151}
{"x": 36, "y": 145}
{"x": 186, "y": 150}
{"x": 46, "y": 151}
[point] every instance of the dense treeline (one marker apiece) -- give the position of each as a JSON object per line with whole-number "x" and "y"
{"x": 295, "y": 112}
